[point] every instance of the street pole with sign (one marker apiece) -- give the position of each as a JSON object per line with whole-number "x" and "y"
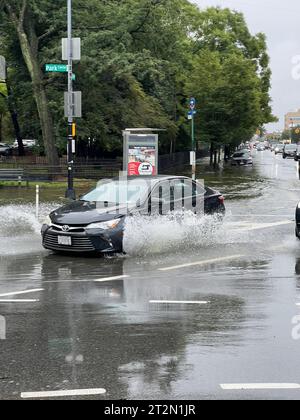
{"x": 191, "y": 116}
{"x": 70, "y": 193}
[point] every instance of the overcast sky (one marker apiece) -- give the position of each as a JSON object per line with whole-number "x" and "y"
{"x": 280, "y": 21}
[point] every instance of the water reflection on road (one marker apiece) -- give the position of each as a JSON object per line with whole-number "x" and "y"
{"x": 86, "y": 333}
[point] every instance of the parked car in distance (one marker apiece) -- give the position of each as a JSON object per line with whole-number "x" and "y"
{"x": 297, "y": 227}
{"x": 5, "y": 149}
{"x": 27, "y": 143}
{"x": 241, "y": 157}
{"x": 278, "y": 149}
{"x": 297, "y": 154}
{"x": 96, "y": 222}
{"x": 289, "y": 151}
{"x": 260, "y": 147}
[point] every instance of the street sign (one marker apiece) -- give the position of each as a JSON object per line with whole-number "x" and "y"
{"x": 2, "y": 68}
{"x": 192, "y": 158}
{"x": 191, "y": 114}
{"x": 76, "y": 49}
{"x": 192, "y": 103}
{"x": 76, "y": 104}
{"x": 57, "y": 68}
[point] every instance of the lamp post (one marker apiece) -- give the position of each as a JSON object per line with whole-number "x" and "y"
{"x": 70, "y": 193}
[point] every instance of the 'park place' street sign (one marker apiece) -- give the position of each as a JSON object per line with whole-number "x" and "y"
{"x": 57, "y": 68}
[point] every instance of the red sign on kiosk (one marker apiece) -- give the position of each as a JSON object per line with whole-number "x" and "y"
{"x": 140, "y": 154}
{"x": 141, "y": 160}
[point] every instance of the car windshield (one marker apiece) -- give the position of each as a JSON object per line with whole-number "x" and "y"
{"x": 119, "y": 192}
{"x": 291, "y": 147}
{"x": 279, "y": 146}
{"x": 240, "y": 154}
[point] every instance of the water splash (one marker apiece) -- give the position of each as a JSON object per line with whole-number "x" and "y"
{"x": 20, "y": 229}
{"x": 17, "y": 220}
{"x": 162, "y": 234}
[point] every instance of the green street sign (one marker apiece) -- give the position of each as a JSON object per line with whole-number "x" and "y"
{"x": 57, "y": 68}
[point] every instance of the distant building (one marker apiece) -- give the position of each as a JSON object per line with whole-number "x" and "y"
{"x": 292, "y": 119}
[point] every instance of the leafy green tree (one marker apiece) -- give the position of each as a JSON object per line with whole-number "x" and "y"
{"x": 141, "y": 59}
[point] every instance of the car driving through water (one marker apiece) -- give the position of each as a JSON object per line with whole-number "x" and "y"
{"x": 96, "y": 222}
{"x": 242, "y": 157}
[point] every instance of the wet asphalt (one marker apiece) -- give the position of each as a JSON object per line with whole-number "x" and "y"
{"x": 119, "y": 323}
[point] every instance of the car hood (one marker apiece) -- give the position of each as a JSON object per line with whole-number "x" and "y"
{"x": 80, "y": 213}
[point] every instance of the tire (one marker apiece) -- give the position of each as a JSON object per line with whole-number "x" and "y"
{"x": 297, "y": 234}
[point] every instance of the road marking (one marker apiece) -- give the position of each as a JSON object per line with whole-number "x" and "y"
{"x": 199, "y": 302}
{"x": 264, "y": 225}
{"x": 18, "y": 300}
{"x": 111, "y": 278}
{"x": 24, "y": 292}
{"x": 214, "y": 260}
{"x": 67, "y": 281}
{"x": 236, "y": 387}
{"x": 71, "y": 393}
{"x": 261, "y": 215}
{"x": 297, "y": 304}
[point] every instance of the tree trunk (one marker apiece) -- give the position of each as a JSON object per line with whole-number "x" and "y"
{"x": 29, "y": 46}
{"x": 211, "y": 154}
{"x": 215, "y": 157}
{"x": 14, "y": 118}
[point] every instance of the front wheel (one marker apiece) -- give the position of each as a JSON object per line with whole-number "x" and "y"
{"x": 297, "y": 234}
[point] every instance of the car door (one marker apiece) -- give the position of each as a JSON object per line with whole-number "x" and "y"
{"x": 177, "y": 195}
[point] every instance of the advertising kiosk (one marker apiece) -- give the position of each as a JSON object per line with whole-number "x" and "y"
{"x": 140, "y": 153}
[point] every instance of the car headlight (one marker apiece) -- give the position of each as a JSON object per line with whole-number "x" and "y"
{"x": 47, "y": 221}
{"x": 298, "y": 206}
{"x": 110, "y": 224}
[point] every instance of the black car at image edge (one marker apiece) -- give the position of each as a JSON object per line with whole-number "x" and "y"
{"x": 95, "y": 223}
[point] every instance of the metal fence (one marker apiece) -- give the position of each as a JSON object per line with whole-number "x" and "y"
{"x": 38, "y": 170}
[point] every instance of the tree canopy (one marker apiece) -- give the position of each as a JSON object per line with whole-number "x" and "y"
{"x": 141, "y": 60}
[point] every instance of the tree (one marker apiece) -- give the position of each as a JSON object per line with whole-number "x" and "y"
{"x": 25, "y": 17}
{"x": 230, "y": 78}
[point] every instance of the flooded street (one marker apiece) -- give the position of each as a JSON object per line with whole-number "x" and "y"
{"x": 120, "y": 323}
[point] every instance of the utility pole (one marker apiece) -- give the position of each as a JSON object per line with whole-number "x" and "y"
{"x": 70, "y": 193}
{"x": 191, "y": 116}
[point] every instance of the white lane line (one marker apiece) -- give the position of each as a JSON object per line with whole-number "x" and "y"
{"x": 185, "y": 302}
{"x": 70, "y": 393}
{"x": 111, "y": 278}
{"x": 261, "y": 215}
{"x": 19, "y": 300}
{"x": 264, "y": 225}
{"x": 236, "y": 387}
{"x": 297, "y": 304}
{"x": 214, "y": 260}
{"x": 24, "y": 292}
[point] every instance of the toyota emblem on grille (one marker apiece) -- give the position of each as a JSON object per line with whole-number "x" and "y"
{"x": 66, "y": 228}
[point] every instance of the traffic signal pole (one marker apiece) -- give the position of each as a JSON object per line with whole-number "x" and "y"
{"x": 193, "y": 150}
{"x": 191, "y": 116}
{"x": 70, "y": 193}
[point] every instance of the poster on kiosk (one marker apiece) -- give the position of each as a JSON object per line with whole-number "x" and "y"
{"x": 140, "y": 154}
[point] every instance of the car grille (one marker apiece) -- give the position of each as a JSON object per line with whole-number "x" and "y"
{"x": 79, "y": 243}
